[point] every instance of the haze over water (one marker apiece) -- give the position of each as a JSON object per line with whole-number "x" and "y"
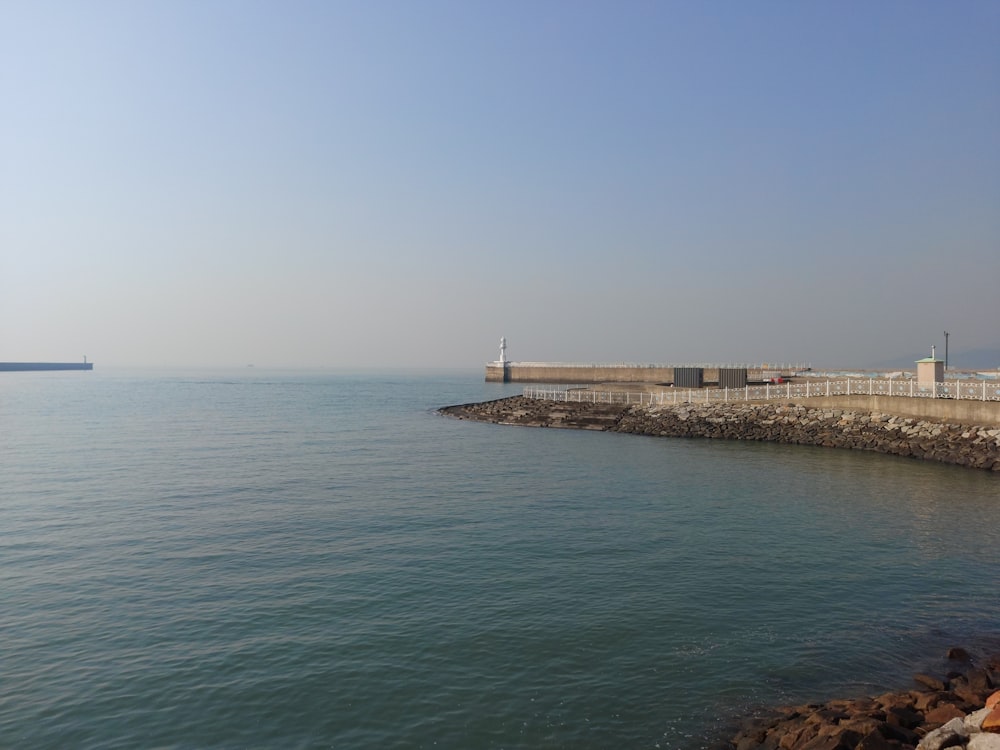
{"x": 307, "y": 559}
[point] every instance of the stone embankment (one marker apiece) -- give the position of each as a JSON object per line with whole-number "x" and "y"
{"x": 958, "y": 710}
{"x": 531, "y": 412}
{"x": 965, "y": 445}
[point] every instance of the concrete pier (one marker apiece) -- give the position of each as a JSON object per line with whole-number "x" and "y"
{"x": 44, "y": 366}
{"x": 557, "y": 372}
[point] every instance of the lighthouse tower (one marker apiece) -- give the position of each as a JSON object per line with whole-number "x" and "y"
{"x": 498, "y": 371}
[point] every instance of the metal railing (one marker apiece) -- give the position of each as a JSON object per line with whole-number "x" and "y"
{"x": 965, "y": 391}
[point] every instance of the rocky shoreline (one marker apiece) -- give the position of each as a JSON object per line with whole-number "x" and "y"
{"x": 974, "y": 446}
{"x": 959, "y": 709}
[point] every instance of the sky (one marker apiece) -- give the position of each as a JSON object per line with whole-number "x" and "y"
{"x": 400, "y": 183}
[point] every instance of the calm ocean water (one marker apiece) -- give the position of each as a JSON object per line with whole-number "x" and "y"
{"x": 308, "y": 560}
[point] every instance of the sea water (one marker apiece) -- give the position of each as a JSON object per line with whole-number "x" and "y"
{"x": 278, "y": 559}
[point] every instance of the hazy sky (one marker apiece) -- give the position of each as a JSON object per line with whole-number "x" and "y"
{"x": 403, "y": 182}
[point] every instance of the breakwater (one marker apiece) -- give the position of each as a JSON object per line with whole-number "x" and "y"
{"x": 44, "y": 366}
{"x": 564, "y": 372}
{"x": 975, "y": 446}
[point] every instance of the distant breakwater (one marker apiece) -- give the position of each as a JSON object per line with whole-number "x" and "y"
{"x": 44, "y": 366}
{"x": 974, "y": 446}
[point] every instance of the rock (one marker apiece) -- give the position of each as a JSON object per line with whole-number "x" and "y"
{"x": 944, "y": 713}
{"x": 961, "y": 689}
{"x": 874, "y": 741}
{"x": 974, "y": 721}
{"x": 993, "y": 700}
{"x": 794, "y": 738}
{"x": 951, "y": 734}
{"x": 991, "y": 723}
{"x": 828, "y": 715}
{"x": 979, "y": 680}
{"x": 836, "y": 741}
{"x": 959, "y": 654}
{"x": 984, "y": 741}
{"x": 903, "y": 716}
{"x": 932, "y": 682}
{"x": 926, "y": 701}
{"x": 863, "y": 726}
{"x": 898, "y": 733}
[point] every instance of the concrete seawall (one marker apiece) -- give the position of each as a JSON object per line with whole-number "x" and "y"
{"x": 985, "y": 413}
{"x": 542, "y": 372}
{"x": 513, "y": 372}
{"x": 44, "y": 366}
{"x": 840, "y": 426}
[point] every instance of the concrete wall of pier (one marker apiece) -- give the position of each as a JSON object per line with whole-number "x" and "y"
{"x": 944, "y": 409}
{"x": 44, "y": 366}
{"x": 513, "y": 372}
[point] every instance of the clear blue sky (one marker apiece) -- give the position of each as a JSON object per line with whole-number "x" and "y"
{"x": 401, "y": 183}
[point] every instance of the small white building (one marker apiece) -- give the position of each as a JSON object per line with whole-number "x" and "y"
{"x": 930, "y": 370}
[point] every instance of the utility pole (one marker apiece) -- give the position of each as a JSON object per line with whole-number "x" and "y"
{"x": 946, "y": 351}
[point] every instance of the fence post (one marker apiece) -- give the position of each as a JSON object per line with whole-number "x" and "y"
{"x": 848, "y": 386}
{"x": 726, "y": 398}
{"x": 911, "y": 387}
{"x": 871, "y": 383}
{"x": 984, "y": 390}
{"x": 788, "y": 391}
{"x": 827, "y": 387}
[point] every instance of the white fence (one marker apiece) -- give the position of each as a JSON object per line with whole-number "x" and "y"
{"x": 966, "y": 391}
{"x": 776, "y": 367}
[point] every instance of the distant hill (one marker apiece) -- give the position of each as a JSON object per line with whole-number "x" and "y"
{"x": 976, "y": 359}
{"x": 971, "y": 359}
